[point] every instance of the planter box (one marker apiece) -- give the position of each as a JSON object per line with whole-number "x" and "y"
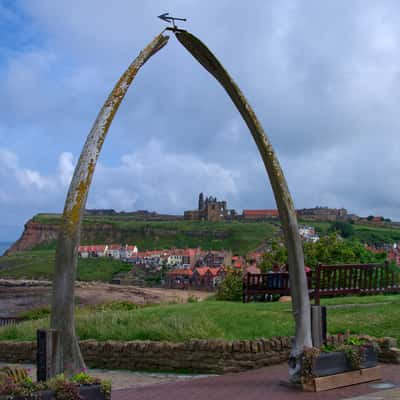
{"x": 341, "y": 380}
{"x": 333, "y": 370}
{"x": 87, "y": 392}
{"x": 336, "y": 362}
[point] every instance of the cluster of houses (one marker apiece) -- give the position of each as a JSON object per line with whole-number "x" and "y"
{"x": 308, "y": 234}
{"x": 208, "y": 276}
{"x": 116, "y": 251}
{"x": 182, "y": 268}
{"x": 391, "y": 249}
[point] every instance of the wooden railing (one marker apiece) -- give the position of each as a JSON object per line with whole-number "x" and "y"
{"x": 5, "y": 321}
{"x": 327, "y": 280}
{"x": 333, "y": 280}
{"x": 259, "y": 285}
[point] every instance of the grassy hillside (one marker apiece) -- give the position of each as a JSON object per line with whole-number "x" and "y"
{"x": 237, "y": 236}
{"x": 39, "y": 264}
{"x": 214, "y": 319}
{"x": 364, "y": 233}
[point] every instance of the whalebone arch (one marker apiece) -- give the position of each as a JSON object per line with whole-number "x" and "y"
{"x": 62, "y": 319}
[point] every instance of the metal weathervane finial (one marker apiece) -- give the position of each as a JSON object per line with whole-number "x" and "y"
{"x": 171, "y": 20}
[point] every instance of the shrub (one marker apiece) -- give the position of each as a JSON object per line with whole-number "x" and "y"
{"x": 16, "y": 382}
{"x": 345, "y": 229}
{"x": 231, "y": 287}
{"x": 192, "y": 299}
{"x": 37, "y": 313}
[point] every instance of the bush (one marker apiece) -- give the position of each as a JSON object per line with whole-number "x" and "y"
{"x": 231, "y": 287}
{"x": 37, "y": 313}
{"x": 345, "y": 229}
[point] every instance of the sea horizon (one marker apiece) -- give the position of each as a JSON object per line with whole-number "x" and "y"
{"x": 4, "y": 246}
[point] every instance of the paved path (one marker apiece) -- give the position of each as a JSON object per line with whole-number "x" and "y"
{"x": 122, "y": 379}
{"x": 265, "y": 383}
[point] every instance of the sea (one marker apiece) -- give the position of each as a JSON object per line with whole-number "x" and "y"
{"x": 4, "y": 246}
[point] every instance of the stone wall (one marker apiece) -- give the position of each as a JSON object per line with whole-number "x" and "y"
{"x": 202, "y": 356}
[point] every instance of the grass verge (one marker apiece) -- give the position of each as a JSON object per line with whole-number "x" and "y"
{"x": 39, "y": 264}
{"x": 217, "y": 319}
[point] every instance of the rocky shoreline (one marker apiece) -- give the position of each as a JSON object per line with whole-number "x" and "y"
{"x": 19, "y": 295}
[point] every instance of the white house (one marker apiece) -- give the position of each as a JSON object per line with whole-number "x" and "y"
{"x": 128, "y": 251}
{"x": 114, "y": 251}
{"x": 92, "y": 251}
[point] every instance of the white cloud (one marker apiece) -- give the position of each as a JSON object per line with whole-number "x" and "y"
{"x": 66, "y": 166}
{"x": 158, "y": 179}
{"x": 322, "y": 78}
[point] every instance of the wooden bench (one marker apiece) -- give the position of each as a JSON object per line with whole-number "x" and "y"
{"x": 344, "y": 279}
{"x": 327, "y": 280}
{"x": 259, "y": 286}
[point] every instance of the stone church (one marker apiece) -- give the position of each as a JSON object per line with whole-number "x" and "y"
{"x": 210, "y": 209}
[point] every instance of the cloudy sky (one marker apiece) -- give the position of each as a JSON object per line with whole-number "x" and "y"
{"x": 323, "y": 78}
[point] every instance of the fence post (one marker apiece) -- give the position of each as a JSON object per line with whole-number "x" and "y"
{"x": 47, "y": 353}
{"x": 318, "y": 325}
{"x": 317, "y": 285}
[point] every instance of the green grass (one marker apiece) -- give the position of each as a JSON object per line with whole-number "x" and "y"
{"x": 226, "y": 320}
{"x": 237, "y": 236}
{"x": 39, "y": 264}
{"x": 364, "y": 233}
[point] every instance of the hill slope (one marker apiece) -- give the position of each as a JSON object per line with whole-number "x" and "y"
{"x": 41, "y": 233}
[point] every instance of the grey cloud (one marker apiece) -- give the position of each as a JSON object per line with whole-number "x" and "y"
{"x": 323, "y": 78}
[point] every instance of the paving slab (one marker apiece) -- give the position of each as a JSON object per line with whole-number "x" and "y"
{"x": 264, "y": 383}
{"x": 393, "y": 394}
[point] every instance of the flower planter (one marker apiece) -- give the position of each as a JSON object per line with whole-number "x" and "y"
{"x": 87, "y": 392}
{"x": 333, "y": 369}
{"x": 337, "y": 362}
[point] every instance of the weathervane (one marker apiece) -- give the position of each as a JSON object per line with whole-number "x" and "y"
{"x": 170, "y": 20}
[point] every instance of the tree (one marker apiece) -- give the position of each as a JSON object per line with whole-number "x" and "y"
{"x": 332, "y": 250}
{"x": 276, "y": 255}
{"x": 284, "y": 202}
{"x": 68, "y": 358}
{"x": 231, "y": 288}
{"x": 345, "y": 229}
{"x": 328, "y": 250}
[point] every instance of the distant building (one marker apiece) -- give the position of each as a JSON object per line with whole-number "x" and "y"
{"x": 100, "y": 212}
{"x": 259, "y": 215}
{"x": 92, "y": 251}
{"x": 322, "y": 214}
{"x": 308, "y": 234}
{"x": 210, "y": 209}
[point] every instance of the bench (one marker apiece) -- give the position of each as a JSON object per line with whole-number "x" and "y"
{"x": 327, "y": 280}
{"x": 259, "y": 286}
{"x": 345, "y": 279}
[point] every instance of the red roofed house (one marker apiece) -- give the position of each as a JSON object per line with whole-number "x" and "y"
{"x": 92, "y": 251}
{"x": 179, "y": 279}
{"x": 215, "y": 258}
{"x": 207, "y": 278}
{"x": 254, "y": 215}
{"x": 114, "y": 251}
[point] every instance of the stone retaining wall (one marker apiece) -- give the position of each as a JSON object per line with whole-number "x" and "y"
{"x": 202, "y": 356}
